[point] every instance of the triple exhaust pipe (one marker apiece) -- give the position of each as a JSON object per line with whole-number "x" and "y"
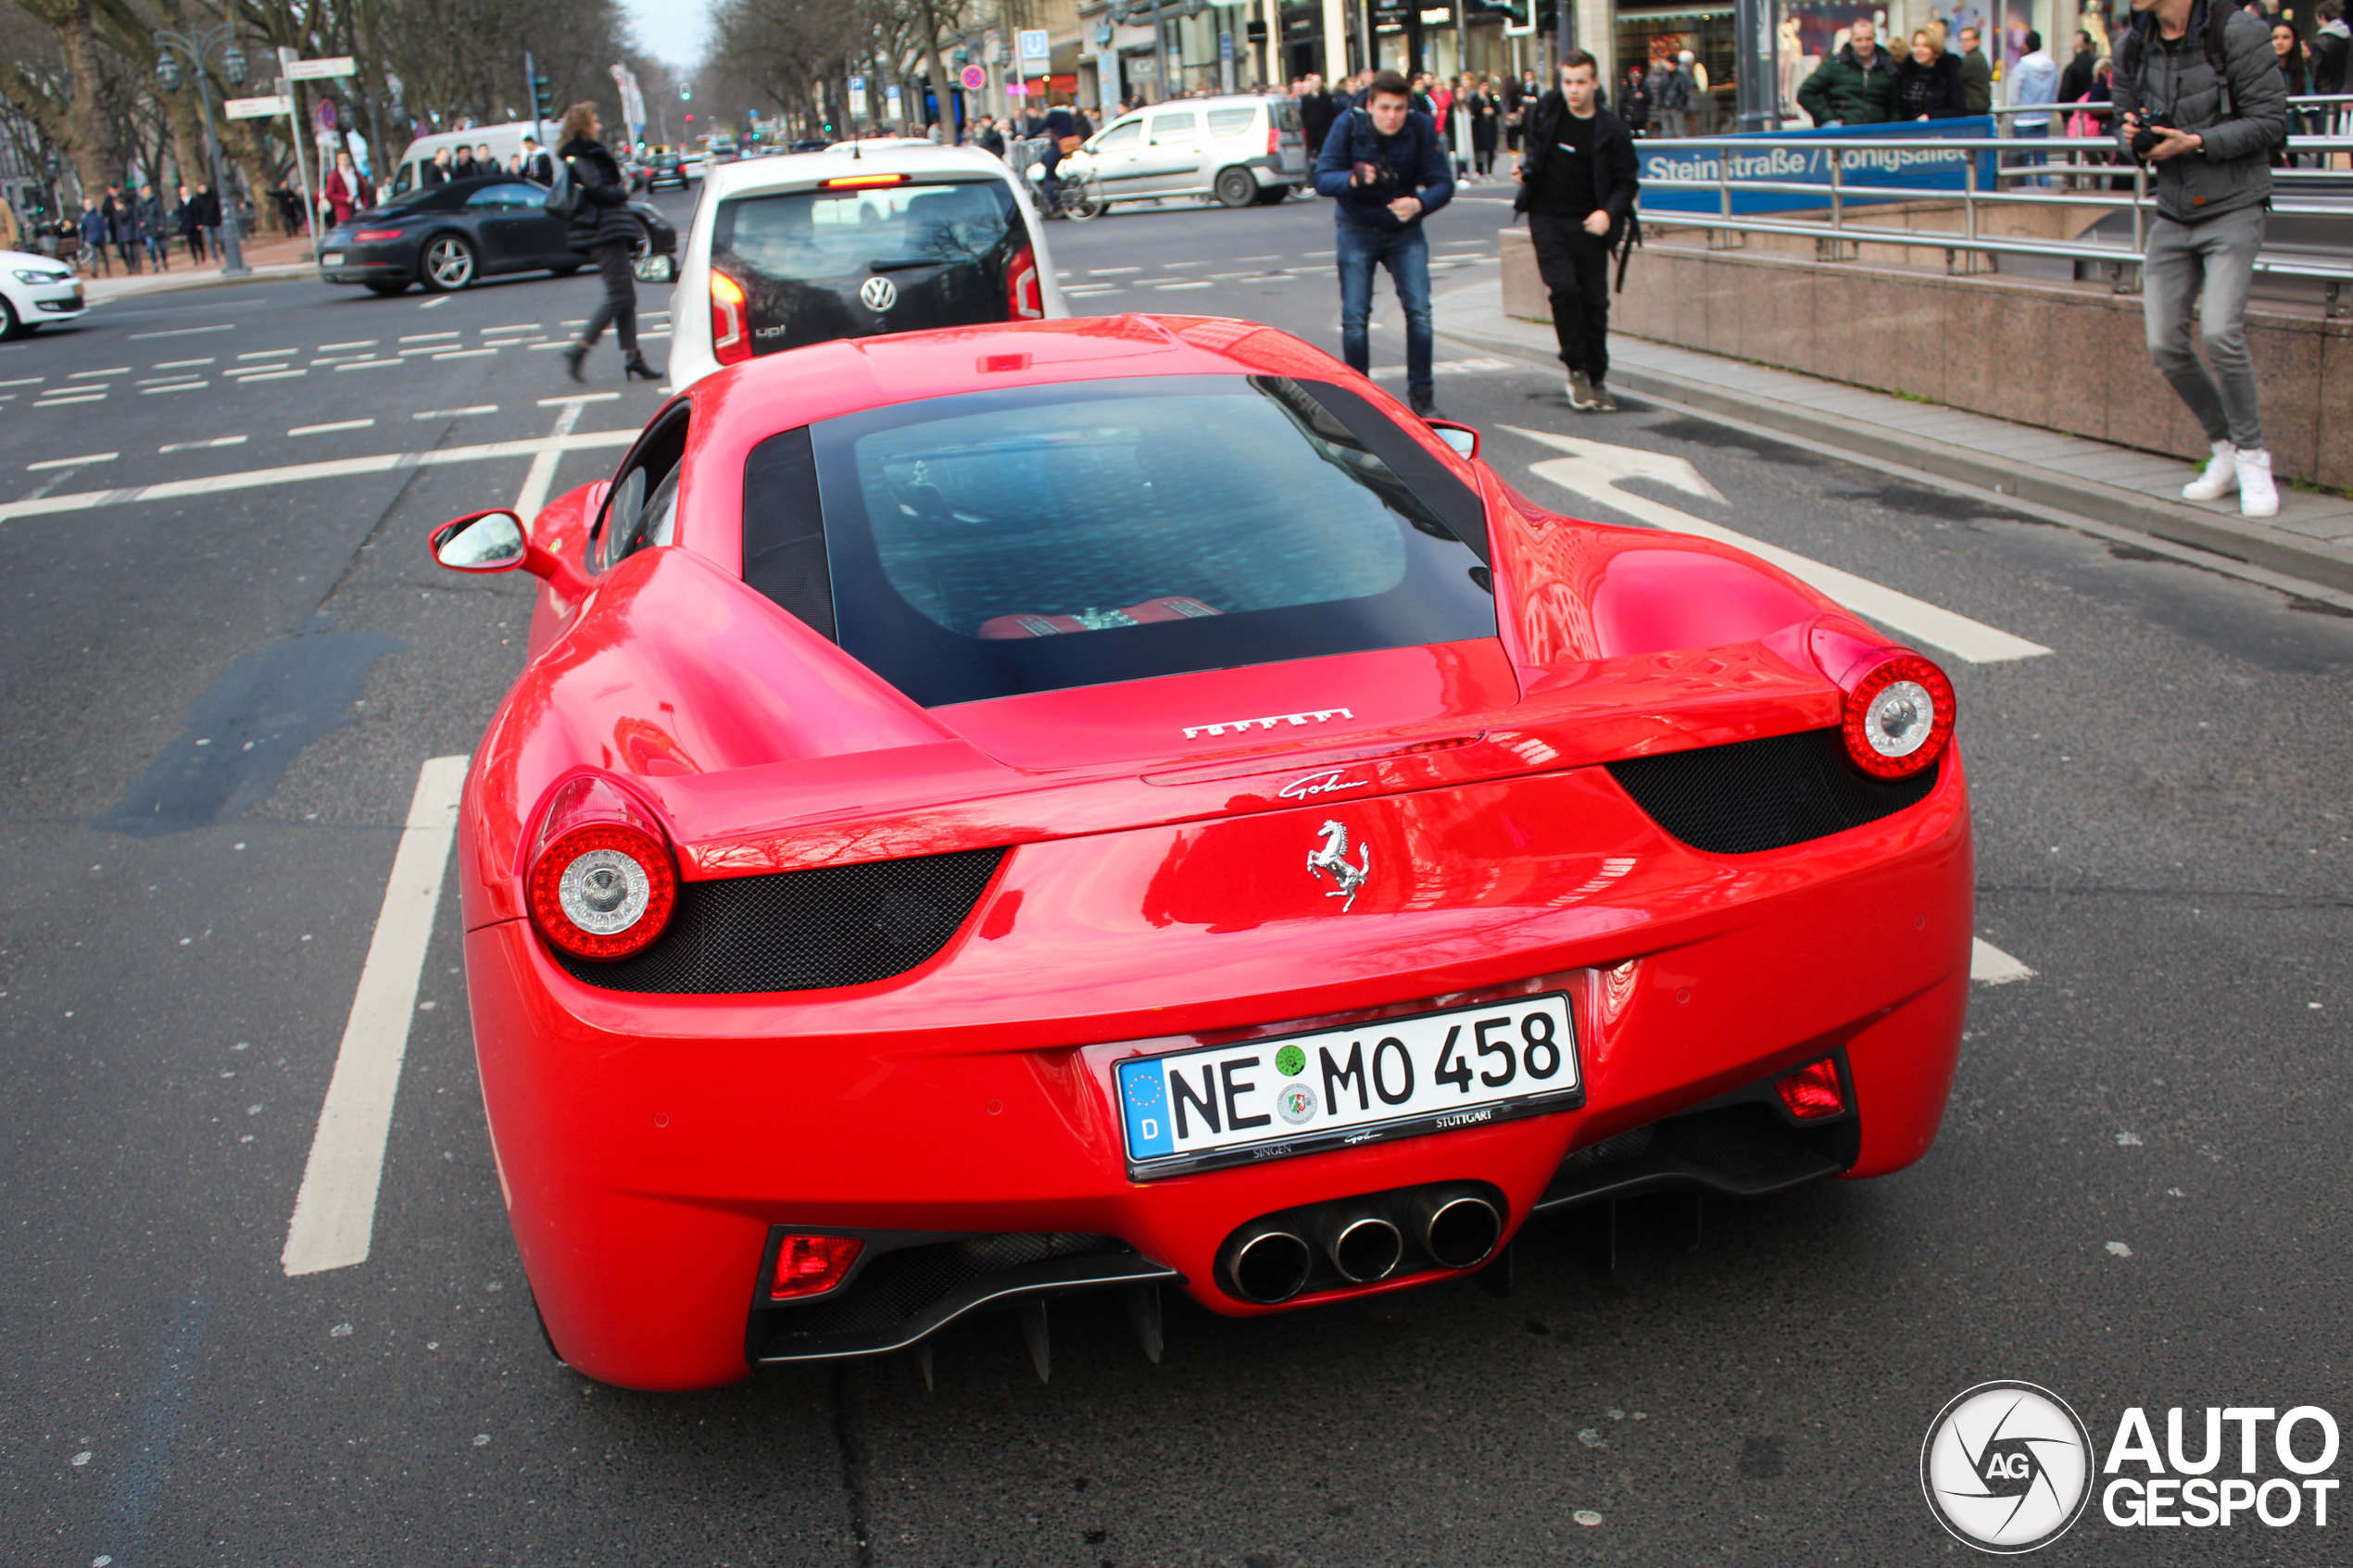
{"x": 1361, "y": 1240}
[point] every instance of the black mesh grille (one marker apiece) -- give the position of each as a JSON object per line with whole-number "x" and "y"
{"x": 801, "y": 931}
{"x": 900, "y": 1285}
{"x": 1768, "y": 793}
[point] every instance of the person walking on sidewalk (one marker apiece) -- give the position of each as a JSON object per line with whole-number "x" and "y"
{"x": 1977, "y": 75}
{"x": 154, "y": 225}
{"x": 1384, "y": 165}
{"x": 2198, "y": 97}
{"x": 604, "y": 227}
{"x": 1577, "y": 185}
{"x": 1855, "y": 86}
{"x": 97, "y": 234}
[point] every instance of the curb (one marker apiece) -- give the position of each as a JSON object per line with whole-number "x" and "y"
{"x": 275, "y": 272}
{"x": 2315, "y": 560}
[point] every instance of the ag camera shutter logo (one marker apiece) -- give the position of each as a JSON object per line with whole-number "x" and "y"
{"x": 2007, "y": 1467}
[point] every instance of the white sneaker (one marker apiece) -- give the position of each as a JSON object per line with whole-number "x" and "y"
{"x": 2257, "y": 496}
{"x": 2219, "y": 480}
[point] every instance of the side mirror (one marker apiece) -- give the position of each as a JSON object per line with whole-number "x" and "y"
{"x": 660, "y": 267}
{"x": 1462, "y": 438}
{"x": 491, "y": 541}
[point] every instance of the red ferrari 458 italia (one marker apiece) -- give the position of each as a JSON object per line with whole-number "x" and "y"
{"x": 1119, "y": 804}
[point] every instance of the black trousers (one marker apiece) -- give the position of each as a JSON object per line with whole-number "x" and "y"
{"x": 1576, "y": 269}
{"x": 619, "y": 308}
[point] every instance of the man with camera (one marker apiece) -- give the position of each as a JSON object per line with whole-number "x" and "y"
{"x": 1577, "y": 184}
{"x": 1386, "y": 170}
{"x": 2199, "y": 97}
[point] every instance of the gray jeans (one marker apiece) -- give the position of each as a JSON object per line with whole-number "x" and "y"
{"x": 2210, "y": 265}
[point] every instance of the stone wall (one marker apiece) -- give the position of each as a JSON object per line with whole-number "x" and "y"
{"x": 2062, "y": 356}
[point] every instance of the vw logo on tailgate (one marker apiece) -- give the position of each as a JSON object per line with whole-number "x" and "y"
{"x": 880, "y": 294}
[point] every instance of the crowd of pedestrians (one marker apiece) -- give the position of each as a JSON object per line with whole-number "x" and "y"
{"x": 135, "y": 230}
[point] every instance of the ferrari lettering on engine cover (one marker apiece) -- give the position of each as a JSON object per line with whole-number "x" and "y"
{"x": 1314, "y": 715}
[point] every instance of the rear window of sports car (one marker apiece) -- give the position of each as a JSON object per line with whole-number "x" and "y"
{"x": 1043, "y": 537}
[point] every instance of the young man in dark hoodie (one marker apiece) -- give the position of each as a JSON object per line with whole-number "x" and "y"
{"x": 1577, "y": 184}
{"x": 2207, "y": 70}
{"x": 1385, "y": 168}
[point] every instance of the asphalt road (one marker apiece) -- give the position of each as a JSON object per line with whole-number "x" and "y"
{"x": 225, "y": 668}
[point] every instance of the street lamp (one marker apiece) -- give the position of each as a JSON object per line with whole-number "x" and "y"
{"x": 197, "y": 43}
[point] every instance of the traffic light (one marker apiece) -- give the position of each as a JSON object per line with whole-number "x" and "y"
{"x": 543, "y": 96}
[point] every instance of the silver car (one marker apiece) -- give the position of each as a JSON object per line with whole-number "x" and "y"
{"x": 1238, "y": 149}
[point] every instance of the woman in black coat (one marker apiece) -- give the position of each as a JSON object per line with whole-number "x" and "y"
{"x": 604, "y": 227}
{"x": 1928, "y": 85}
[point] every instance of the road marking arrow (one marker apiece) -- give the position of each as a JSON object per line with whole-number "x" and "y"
{"x": 1595, "y": 470}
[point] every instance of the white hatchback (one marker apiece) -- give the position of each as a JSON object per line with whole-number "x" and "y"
{"x": 1238, "y": 149}
{"x": 789, "y": 251}
{"x": 35, "y": 291}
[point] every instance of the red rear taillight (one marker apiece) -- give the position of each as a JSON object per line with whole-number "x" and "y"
{"x": 1025, "y": 296}
{"x": 1274, "y": 140}
{"x": 1812, "y": 1092}
{"x": 1899, "y": 717}
{"x": 373, "y": 236}
{"x": 602, "y": 883}
{"x": 729, "y": 343}
{"x": 811, "y": 1265}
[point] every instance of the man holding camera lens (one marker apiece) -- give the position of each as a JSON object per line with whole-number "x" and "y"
{"x": 2200, "y": 99}
{"x": 1386, "y": 170}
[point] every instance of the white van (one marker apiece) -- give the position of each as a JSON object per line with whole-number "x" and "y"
{"x": 1240, "y": 149}
{"x": 504, "y": 141}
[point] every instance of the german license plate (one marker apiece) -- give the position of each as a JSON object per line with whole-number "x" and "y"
{"x": 1334, "y": 1089}
{"x": 333, "y": 258}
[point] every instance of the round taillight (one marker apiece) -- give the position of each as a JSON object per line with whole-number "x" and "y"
{"x": 1899, "y": 718}
{"x": 603, "y": 890}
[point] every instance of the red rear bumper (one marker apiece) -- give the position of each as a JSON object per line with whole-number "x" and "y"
{"x": 648, "y": 1143}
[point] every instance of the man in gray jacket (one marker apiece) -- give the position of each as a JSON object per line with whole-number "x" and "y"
{"x": 2199, "y": 97}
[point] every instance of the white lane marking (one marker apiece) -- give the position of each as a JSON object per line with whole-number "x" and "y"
{"x": 425, "y": 349}
{"x": 268, "y": 375}
{"x": 1988, "y": 965}
{"x": 370, "y": 364}
{"x": 1277, "y": 256}
{"x": 86, "y": 375}
{"x": 432, "y": 303}
{"x": 181, "y": 364}
{"x": 1175, "y": 288}
{"x": 292, "y": 473}
{"x": 25, "y": 381}
{"x": 581, "y": 322}
{"x": 335, "y": 1215}
{"x": 583, "y": 397}
{"x": 202, "y": 445}
{"x": 1462, "y": 366}
{"x": 1173, "y": 264}
{"x": 270, "y": 354}
{"x": 542, "y": 476}
{"x": 544, "y": 348}
{"x": 174, "y": 379}
{"x": 465, "y": 354}
{"x": 522, "y": 326}
{"x": 362, "y": 343}
{"x": 455, "y": 413}
{"x": 65, "y": 402}
{"x": 1596, "y": 470}
{"x": 183, "y": 332}
{"x": 72, "y": 462}
{"x": 175, "y": 387}
{"x": 325, "y": 429}
{"x": 648, "y": 333}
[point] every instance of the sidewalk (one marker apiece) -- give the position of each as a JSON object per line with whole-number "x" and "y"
{"x": 2311, "y": 538}
{"x": 269, "y": 257}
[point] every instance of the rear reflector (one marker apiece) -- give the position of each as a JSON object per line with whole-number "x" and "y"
{"x": 858, "y": 181}
{"x": 811, "y": 1265}
{"x": 1812, "y": 1092}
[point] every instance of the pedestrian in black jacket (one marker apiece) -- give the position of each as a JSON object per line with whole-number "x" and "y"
{"x": 1577, "y": 185}
{"x": 1384, "y": 166}
{"x": 603, "y": 227}
{"x": 1928, "y": 82}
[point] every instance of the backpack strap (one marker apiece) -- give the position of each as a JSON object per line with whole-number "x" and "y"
{"x": 2218, "y": 20}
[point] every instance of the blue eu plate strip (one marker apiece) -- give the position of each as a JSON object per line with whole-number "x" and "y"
{"x": 1143, "y": 1092}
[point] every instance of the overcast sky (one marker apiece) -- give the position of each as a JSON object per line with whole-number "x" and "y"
{"x": 671, "y": 29}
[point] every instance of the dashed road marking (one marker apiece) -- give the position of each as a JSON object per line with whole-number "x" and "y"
{"x": 1111, "y": 271}
{"x": 334, "y": 1213}
{"x": 430, "y": 303}
{"x": 60, "y": 401}
{"x": 1460, "y": 367}
{"x": 203, "y": 446}
{"x": 295, "y": 473}
{"x": 91, "y": 375}
{"x": 1988, "y": 965}
{"x": 542, "y": 477}
{"x": 269, "y": 375}
{"x": 174, "y": 386}
{"x": 330, "y": 429}
{"x": 369, "y": 364}
{"x": 425, "y": 337}
{"x": 1174, "y": 288}
{"x": 183, "y": 332}
{"x": 269, "y": 353}
{"x": 25, "y": 381}
{"x": 454, "y": 413}
{"x": 465, "y": 353}
{"x": 72, "y": 462}
{"x": 579, "y": 397}
{"x": 332, "y": 347}
{"x": 181, "y": 364}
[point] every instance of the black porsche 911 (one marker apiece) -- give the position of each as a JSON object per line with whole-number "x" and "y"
{"x": 454, "y": 235}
